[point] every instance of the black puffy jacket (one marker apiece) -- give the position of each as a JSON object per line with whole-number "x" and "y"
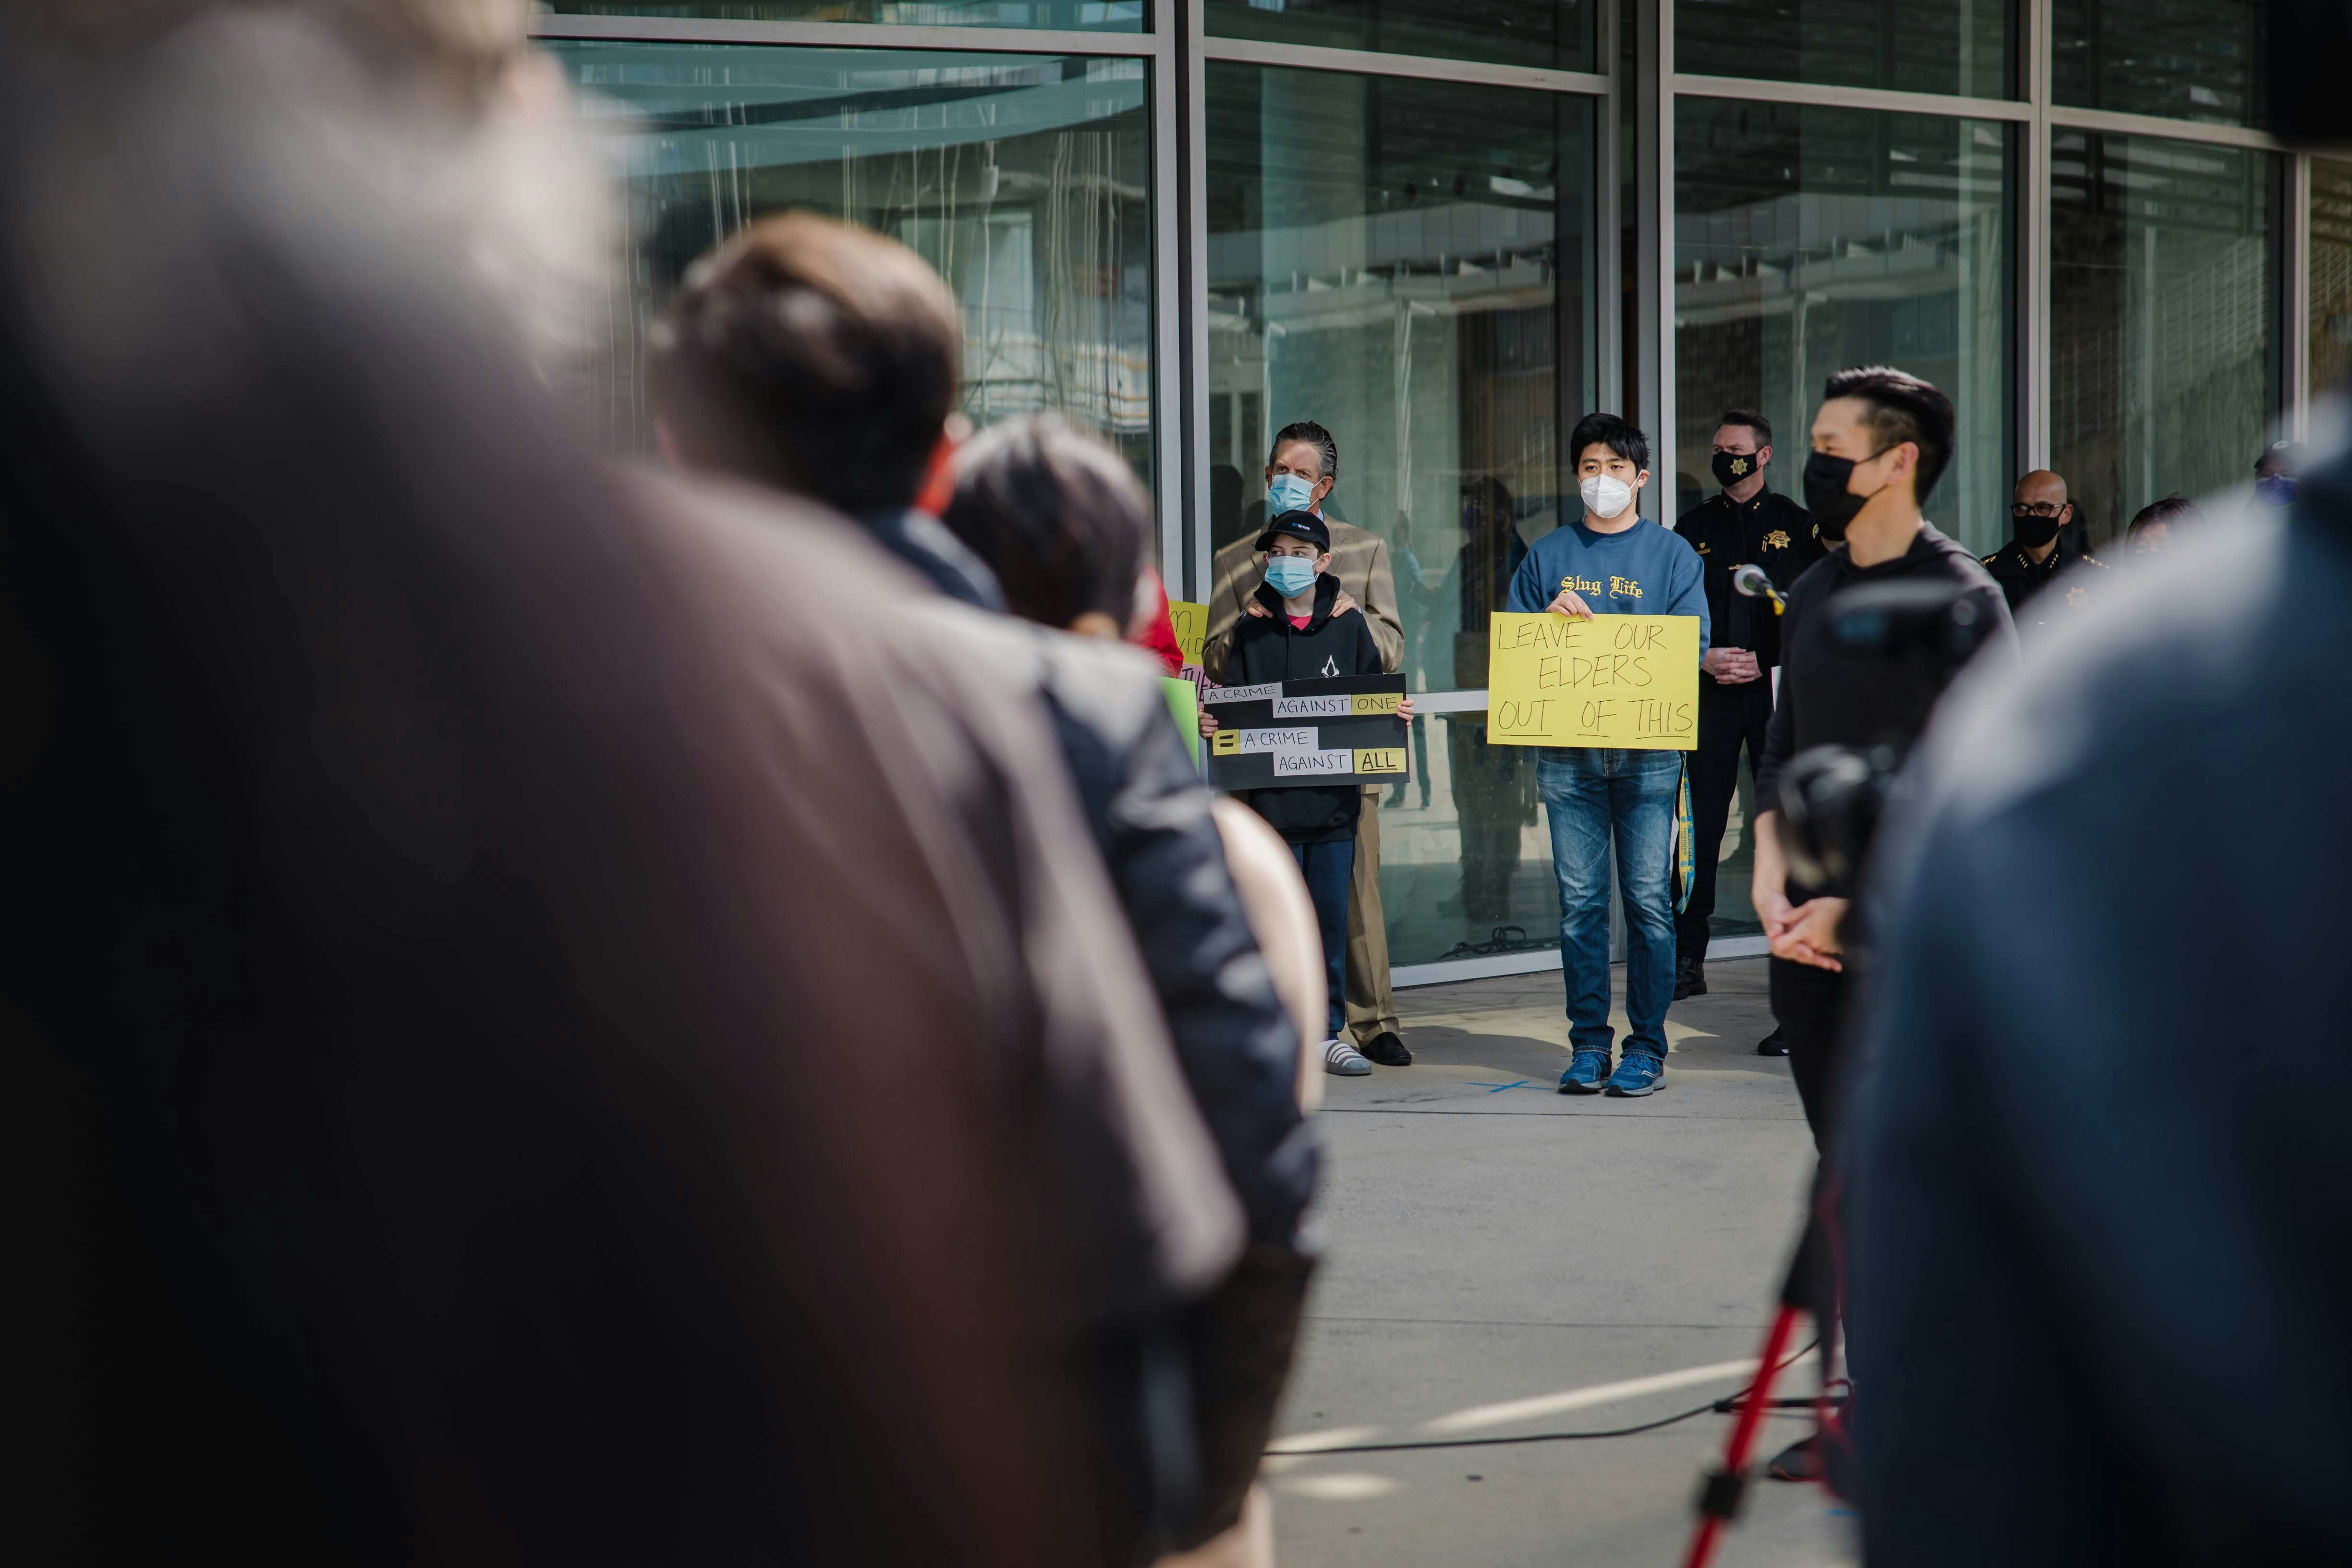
{"x": 1269, "y": 648}
{"x": 1149, "y": 814}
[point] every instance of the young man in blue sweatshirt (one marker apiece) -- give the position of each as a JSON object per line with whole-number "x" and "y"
{"x": 1610, "y": 562}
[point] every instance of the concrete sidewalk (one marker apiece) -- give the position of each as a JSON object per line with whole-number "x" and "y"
{"x": 1490, "y": 1242}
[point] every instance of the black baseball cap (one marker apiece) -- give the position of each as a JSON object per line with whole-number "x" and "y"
{"x": 1303, "y": 525}
{"x": 2286, "y": 457}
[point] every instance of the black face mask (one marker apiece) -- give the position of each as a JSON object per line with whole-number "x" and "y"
{"x": 1826, "y": 496}
{"x": 1735, "y": 467}
{"x": 2033, "y": 532}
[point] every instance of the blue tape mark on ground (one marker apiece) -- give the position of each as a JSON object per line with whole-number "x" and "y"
{"x": 1496, "y": 1088}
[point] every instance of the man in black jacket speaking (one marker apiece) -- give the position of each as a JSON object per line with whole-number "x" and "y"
{"x": 1880, "y": 441}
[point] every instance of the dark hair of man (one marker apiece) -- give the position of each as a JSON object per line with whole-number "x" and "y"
{"x": 1902, "y": 407}
{"x": 1608, "y": 430}
{"x": 1056, "y": 514}
{"x": 1308, "y": 431}
{"x": 809, "y": 355}
{"x": 2173, "y": 510}
{"x": 1749, "y": 419}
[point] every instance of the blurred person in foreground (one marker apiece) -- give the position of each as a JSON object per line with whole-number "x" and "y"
{"x": 824, "y": 360}
{"x": 1061, "y": 521}
{"x": 2030, "y": 567}
{"x": 556, "y": 1034}
{"x": 1302, "y": 465}
{"x": 1745, "y": 521}
{"x": 2101, "y": 1290}
{"x": 2156, "y": 527}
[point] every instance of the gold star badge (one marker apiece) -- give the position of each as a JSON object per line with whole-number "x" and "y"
{"x": 1777, "y": 540}
{"x": 2078, "y": 596}
{"x": 1740, "y": 466}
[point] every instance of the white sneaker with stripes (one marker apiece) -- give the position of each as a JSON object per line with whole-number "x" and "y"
{"x": 1346, "y": 1061}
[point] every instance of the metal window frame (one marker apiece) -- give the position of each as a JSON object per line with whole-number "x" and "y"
{"x": 1175, "y": 457}
{"x": 1178, "y": 47}
{"x": 2295, "y": 300}
{"x": 848, "y": 35}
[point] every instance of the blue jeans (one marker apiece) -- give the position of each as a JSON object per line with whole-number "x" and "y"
{"x": 1589, "y": 796}
{"x": 1329, "y": 868}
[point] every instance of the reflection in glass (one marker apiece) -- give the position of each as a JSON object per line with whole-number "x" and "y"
{"x": 2163, "y": 305}
{"x": 1960, "y": 47}
{"x": 1402, "y": 261}
{"x": 2331, "y": 278}
{"x": 1024, "y": 178}
{"x": 1089, "y": 15}
{"x": 1810, "y": 239}
{"x": 1466, "y": 863}
{"x": 2188, "y": 59}
{"x": 1554, "y": 33}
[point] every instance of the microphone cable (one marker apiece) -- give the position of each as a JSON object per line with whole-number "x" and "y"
{"x": 1726, "y": 1406}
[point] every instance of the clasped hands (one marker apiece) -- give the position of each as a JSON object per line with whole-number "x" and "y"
{"x": 1806, "y": 934}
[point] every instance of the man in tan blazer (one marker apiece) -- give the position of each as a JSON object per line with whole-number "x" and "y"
{"x": 1299, "y": 472}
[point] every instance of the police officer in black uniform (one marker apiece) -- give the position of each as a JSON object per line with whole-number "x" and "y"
{"x": 1743, "y": 521}
{"x": 2040, "y": 550}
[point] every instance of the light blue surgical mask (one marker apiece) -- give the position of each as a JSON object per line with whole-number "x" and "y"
{"x": 1290, "y": 493}
{"x": 1289, "y": 575}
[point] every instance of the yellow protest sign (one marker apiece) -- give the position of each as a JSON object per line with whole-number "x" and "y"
{"x": 1192, "y": 624}
{"x": 1626, "y": 682}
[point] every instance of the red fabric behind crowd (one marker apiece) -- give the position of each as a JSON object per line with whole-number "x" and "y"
{"x": 1158, "y": 634}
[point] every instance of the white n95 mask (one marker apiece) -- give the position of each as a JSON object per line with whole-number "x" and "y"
{"x": 1605, "y": 497}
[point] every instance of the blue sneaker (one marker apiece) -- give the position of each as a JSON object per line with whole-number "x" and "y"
{"x": 1637, "y": 1074}
{"x": 1585, "y": 1071}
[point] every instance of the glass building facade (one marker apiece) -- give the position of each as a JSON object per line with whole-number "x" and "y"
{"x": 1447, "y": 229}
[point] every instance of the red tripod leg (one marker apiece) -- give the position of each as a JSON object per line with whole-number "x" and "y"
{"x": 1718, "y": 1499}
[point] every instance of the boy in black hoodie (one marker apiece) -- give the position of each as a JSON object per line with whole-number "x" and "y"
{"x": 1302, "y": 639}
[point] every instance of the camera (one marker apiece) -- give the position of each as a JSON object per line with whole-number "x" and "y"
{"x": 1834, "y": 797}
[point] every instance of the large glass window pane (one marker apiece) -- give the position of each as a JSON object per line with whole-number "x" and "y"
{"x": 1408, "y": 262}
{"x": 2331, "y": 278}
{"x": 1026, "y": 179}
{"x": 1961, "y": 46}
{"x": 1465, "y": 857}
{"x": 2191, "y": 59}
{"x": 1809, "y": 239}
{"x": 1087, "y": 15}
{"x": 1554, "y": 33}
{"x": 2163, "y": 318}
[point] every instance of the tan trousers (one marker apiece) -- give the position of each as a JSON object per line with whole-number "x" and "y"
{"x": 1371, "y": 1006}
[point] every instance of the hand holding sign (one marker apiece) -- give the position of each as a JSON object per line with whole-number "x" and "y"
{"x": 1619, "y": 681}
{"x": 1565, "y": 603}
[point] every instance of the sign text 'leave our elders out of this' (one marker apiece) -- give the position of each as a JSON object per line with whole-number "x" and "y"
{"x": 1619, "y": 681}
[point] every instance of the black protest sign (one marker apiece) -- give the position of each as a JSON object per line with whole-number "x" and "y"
{"x": 1292, "y": 733}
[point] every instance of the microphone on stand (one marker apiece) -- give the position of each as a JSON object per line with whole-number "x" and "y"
{"x": 1753, "y": 584}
